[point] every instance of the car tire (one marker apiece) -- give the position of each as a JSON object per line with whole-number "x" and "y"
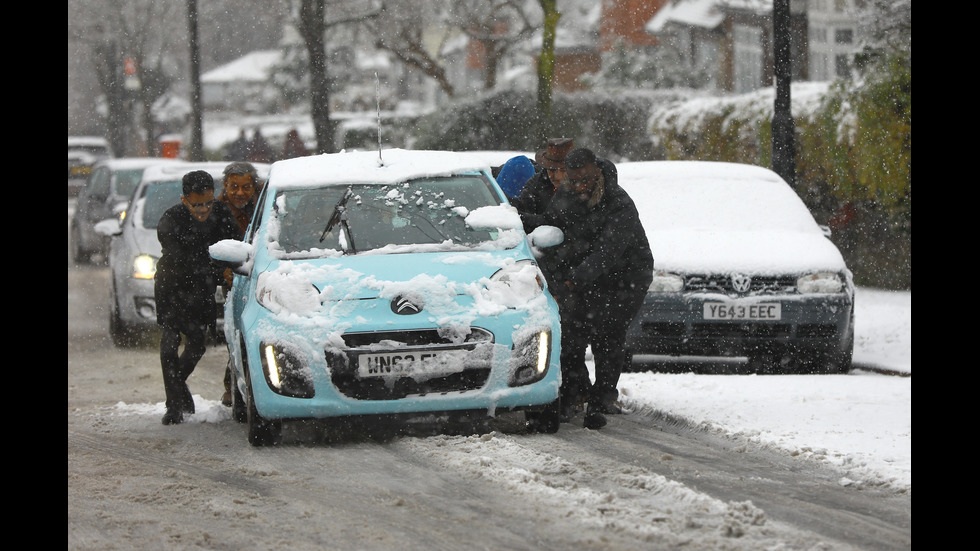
{"x": 78, "y": 254}
{"x": 239, "y": 410}
{"x": 261, "y": 431}
{"x": 546, "y": 420}
{"x": 123, "y": 336}
{"x": 838, "y": 361}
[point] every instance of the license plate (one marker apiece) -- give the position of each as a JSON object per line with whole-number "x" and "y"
{"x": 760, "y": 311}
{"x": 408, "y": 363}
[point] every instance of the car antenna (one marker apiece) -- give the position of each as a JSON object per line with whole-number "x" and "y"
{"x": 377, "y": 95}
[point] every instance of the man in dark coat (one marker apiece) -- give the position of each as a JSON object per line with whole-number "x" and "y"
{"x": 185, "y": 284}
{"x": 540, "y": 188}
{"x": 241, "y": 187}
{"x": 599, "y": 275}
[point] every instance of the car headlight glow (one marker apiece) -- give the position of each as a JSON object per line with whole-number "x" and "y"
{"x": 516, "y": 284}
{"x": 820, "y": 282}
{"x": 531, "y": 358}
{"x": 285, "y": 373}
{"x": 144, "y": 267}
{"x": 666, "y": 282}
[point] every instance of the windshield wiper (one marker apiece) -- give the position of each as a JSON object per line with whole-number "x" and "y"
{"x": 339, "y": 216}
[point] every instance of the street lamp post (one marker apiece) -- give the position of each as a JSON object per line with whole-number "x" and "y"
{"x": 783, "y": 138}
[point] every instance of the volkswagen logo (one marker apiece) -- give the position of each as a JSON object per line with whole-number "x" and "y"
{"x": 406, "y": 306}
{"x": 741, "y": 283}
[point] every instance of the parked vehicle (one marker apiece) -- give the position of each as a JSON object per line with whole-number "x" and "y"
{"x": 106, "y": 192}
{"x": 742, "y": 269}
{"x": 83, "y": 153}
{"x": 134, "y": 248}
{"x": 387, "y": 287}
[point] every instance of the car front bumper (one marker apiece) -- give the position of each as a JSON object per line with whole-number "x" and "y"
{"x": 675, "y": 324}
{"x": 493, "y": 370}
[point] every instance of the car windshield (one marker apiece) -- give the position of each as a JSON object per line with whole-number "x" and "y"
{"x": 160, "y": 196}
{"x": 418, "y": 212}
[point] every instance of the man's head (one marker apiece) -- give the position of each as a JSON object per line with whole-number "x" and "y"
{"x": 582, "y": 173}
{"x": 198, "y": 194}
{"x": 553, "y": 158}
{"x": 240, "y": 182}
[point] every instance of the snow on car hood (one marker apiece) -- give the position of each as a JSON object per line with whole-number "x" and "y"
{"x": 763, "y": 253}
{"x": 329, "y": 287}
{"x": 705, "y": 217}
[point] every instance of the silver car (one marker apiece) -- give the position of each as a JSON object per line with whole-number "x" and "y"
{"x": 741, "y": 269}
{"x": 134, "y": 248}
{"x": 108, "y": 188}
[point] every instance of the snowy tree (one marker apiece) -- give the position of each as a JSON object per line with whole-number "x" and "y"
{"x": 127, "y": 47}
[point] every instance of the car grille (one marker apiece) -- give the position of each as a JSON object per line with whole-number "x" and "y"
{"x": 343, "y": 365}
{"x": 740, "y": 330}
{"x": 759, "y": 285}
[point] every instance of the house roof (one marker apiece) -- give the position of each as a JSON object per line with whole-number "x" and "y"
{"x": 252, "y": 67}
{"x": 689, "y": 13}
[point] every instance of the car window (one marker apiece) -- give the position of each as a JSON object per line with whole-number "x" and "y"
{"x": 257, "y": 215}
{"x": 98, "y": 185}
{"x": 418, "y": 212}
{"x": 127, "y": 180}
{"x": 160, "y": 196}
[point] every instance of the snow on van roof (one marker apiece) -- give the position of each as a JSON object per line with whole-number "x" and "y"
{"x": 392, "y": 166}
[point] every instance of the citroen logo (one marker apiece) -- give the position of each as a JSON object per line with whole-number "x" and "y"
{"x": 741, "y": 283}
{"x": 405, "y": 306}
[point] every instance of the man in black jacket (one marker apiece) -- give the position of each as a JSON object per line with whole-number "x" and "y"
{"x": 186, "y": 280}
{"x": 599, "y": 276}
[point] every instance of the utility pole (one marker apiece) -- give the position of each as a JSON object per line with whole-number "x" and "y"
{"x": 196, "y": 147}
{"x": 783, "y": 135}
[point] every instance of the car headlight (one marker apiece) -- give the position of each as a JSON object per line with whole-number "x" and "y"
{"x": 285, "y": 373}
{"x": 144, "y": 267}
{"x": 820, "y": 282}
{"x": 284, "y": 292}
{"x": 515, "y": 285}
{"x": 666, "y": 282}
{"x": 531, "y": 358}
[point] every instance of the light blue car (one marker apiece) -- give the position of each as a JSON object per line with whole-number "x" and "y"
{"x": 388, "y": 284}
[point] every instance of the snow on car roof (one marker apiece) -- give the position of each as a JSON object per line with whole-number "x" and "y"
{"x": 86, "y": 141}
{"x": 395, "y": 165}
{"x": 715, "y": 217}
{"x": 171, "y": 171}
{"x": 134, "y": 162}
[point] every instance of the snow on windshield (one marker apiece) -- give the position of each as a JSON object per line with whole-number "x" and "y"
{"x": 424, "y": 214}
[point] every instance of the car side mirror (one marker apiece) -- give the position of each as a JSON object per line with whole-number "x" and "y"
{"x": 234, "y": 252}
{"x": 108, "y": 228}
{"x": 494, "y": 217}
{"x": 546, "y": 236}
